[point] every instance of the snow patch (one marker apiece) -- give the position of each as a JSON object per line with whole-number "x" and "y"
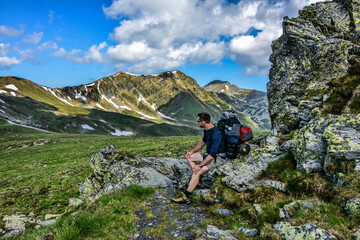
{"x": 69, "y": 98}
{"x": 27, "y": 126}
{"x": 126, "y": 107}
{"x": 14, "y": 94}
{"x": 90, "y": 85}
{"x": 122, "y": 133}
{"x": 12, "y": 87}
{"x": 2, "y": 111}
{"x": 222, "y": 90}
{"x": 227, "y": 87}
{"x": 147, "y": 116}
{"x": 101, "y": 120}
{"x": 53, "y": 93}
{"x": 78, "y": 95}
{"x": 131, "y": 74}
{"x": 99, "y": 106}
{"x": 3, "y": 92}
{"x": 2, "y": 101}
{"x": 164, "y": 116}
{"x": 85, "y": 126}
{"x": 175, "y": 75}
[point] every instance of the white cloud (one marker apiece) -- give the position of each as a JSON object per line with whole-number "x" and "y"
{"x": 50, "y": 45}
{"x": 51, "y": 16}
{"x": 10, "y": 31}
{"x": 6, "y": 62}
{"x": 130, "y": 53}
{"x": 33, "y": 38}
{"x": 5, "y": 48}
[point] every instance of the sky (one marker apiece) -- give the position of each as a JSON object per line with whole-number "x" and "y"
{"x": 66, "y": 43}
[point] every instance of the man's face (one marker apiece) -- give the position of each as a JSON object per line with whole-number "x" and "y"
{"x": 201, "y": 123}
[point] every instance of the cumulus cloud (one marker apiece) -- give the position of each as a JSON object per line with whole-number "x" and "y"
{"x": 94, "y": 54}
{"x": 33, "y": 38}
{"x": 6, "y": 62}
{"x": 10, "y": 31}
{"x": 160, "y": 34}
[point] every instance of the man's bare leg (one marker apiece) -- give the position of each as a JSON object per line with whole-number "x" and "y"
{"x": 195, "y": 178}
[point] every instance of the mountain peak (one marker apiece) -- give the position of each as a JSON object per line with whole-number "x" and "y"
{"x": 217, "y": 82}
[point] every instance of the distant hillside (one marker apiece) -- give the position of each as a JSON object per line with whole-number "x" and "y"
{"x": 251, "y": 103}
{"x": 120, "y": 104}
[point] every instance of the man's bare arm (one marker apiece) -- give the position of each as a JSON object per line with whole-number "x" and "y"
{"x": 199, "y": 146}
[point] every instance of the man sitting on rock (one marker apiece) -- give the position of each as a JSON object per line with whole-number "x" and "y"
{"x": 203, "y": 162}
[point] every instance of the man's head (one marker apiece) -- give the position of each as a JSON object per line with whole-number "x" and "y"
{"x": 203, "y": 118}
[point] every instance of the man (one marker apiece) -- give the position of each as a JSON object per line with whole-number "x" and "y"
{"x": 203, "y": 162}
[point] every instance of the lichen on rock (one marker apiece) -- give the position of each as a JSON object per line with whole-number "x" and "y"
{"x": 307, "y": 231}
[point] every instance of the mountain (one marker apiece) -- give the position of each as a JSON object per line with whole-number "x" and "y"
{"x": 120, "y": 104}
{"x": 251, "y": 103}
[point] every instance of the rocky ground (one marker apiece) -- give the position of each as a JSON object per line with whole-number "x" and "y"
{"x": 161, "y": 219}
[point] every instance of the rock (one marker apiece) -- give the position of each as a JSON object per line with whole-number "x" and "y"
{"x": 75, "y": 202}
{"x": 225, "y": 212}
{"x": 46, "y": 223}
{"x": 309, "y": 204}
{"x": 249, "y": 232}
{"x": 314, "y": 49}
{"x": 170, "y": 167}
{"x": 307, "y": 231}
{"x": 271, "y": 183}
{"x": 283, "y": 213}
{"x": 352, "y": 206}
{"x": 330, "y": 144}
{"x": 15, "y": 224}
{"x": 286, "y": 146}
{"x": 257, "y": 208}
{"x": 241, "y": 174}
{"x": 111, "y": 173}
{"x": 356, "y": 235}
{"x": 213, "y": 232}
{"x": 50, "y": 216}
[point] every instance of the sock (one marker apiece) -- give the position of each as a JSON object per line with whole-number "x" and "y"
{"x": 187, "y": 194}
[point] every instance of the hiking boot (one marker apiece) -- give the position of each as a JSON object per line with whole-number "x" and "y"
{"x": 181, "y": 199}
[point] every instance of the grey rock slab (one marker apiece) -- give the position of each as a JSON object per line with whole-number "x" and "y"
{"x": 213, "y": 232}
{"x": 225, "y": 212}
{"x": 249, "y": 232}
{"x": 307, "y": 231}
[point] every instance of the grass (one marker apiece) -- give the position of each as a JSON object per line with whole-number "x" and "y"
{"x": 41, "y": 178}
{"x": 110, "y": 216}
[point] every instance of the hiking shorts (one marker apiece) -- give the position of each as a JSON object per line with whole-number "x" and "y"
{"x": 220, "y": 160}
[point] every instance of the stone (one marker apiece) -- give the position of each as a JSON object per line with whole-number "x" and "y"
{"x": 352, "y": 206}
{"x": 314, "y": 49}
{"x": 15, "y": 224}
{"x": 329, "y": 144}
{"x": 110, "y": 173}
{"x": 271, "y": 183}
{"x": 226, "y": 212}
{"x": 309, "y": 204}
{"x": 242, "y": 173}
{"x": 257, "y": 208}
{"x": 307, "y": 231}
{"x": 249, "y": 232}
{"x": 213, "y": 232}
{"x": 356, "y": 235}
{"x": 51, "y": 216}
{"x": 46, "y": 223}
{"x": 75, "y": 202}
{"x": 286, "y": 146}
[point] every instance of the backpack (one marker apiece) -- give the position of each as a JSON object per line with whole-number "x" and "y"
{"x": 245, "y": 134}
{"x": 229, "y": 125}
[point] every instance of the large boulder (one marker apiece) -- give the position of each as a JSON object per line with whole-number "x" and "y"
{"x": 330, "y": 144}
{"x": 315, "y": 48}
{"x": 307, "y": 231}
{"x": 111, "y": 172}
{"x": 242, "y": 174}
{"x": 213, "y": 232}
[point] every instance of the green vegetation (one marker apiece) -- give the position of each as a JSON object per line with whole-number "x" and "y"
{"x": 110, "y": 216}
{"x": 345, "y": 92}
{"x": 41, "y": 178}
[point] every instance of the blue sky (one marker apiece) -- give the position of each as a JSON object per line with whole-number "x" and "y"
{"x": 65, "y": 43}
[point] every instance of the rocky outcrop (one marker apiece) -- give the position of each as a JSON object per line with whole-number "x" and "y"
{"x": 243, "y": 173}
{"x": 330, "y": 144}
{"x": 317, "y": 47}
{"x": 352, "y": 206}
{"x": 306, "y": 232}
{"x": 252, "y": 103}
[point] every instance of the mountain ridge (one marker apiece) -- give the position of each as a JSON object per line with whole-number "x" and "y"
{"x": 171, "y": 98}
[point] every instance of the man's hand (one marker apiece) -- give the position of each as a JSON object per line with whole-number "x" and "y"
{"x": 188, "y": 155}
{"x": 196, "y": 169}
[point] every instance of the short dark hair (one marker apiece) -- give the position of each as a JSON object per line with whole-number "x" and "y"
{"x": 204, "y": 116}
